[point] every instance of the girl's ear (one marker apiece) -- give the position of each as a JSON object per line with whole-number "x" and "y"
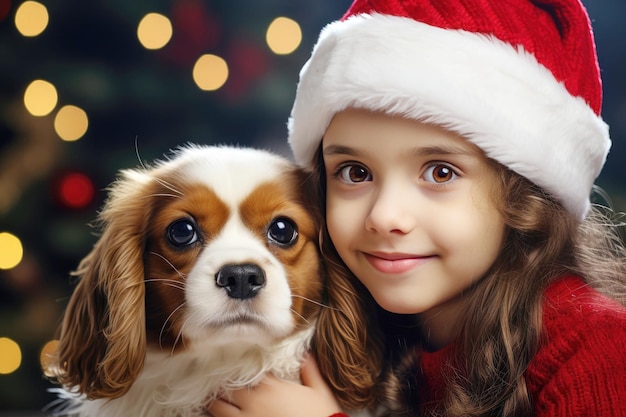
{"x": 102, "y": 342}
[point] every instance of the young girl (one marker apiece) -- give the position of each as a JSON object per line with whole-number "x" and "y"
{"x": 456, "y": 144}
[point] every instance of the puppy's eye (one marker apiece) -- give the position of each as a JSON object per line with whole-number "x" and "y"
{"x": 282, "y": 231}
{"x": 182, "y": 232}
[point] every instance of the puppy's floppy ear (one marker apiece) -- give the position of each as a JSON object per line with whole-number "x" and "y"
{"x": 102, "y": 342}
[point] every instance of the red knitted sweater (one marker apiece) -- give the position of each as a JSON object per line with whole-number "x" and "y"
{"x": 580, "y": 370}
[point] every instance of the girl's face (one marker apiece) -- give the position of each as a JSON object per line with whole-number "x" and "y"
{"x": 410, "y": 210}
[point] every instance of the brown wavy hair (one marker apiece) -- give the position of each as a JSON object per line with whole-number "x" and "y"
{"x": 370, "y": 357}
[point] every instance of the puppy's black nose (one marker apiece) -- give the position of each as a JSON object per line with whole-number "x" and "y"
{"x": 241, "y": 281}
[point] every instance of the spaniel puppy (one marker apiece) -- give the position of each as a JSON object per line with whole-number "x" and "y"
{"x": 206, "y": 276}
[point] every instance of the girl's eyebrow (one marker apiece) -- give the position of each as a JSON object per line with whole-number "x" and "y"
{"x": 443, "y": 150}
{"x": 418, "y": 151}
{"x": 339, "y": 150}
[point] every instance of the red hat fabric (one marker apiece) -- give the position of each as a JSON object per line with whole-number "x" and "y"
{"x": 518, "y": 78}
{"x": 557, "y": 32}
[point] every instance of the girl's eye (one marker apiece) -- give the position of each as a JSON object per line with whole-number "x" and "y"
{"x": 354, "y": 174}
{"x": 439, "y": 174}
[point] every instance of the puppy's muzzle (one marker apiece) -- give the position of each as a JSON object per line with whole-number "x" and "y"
{"x": 241, "y": 281}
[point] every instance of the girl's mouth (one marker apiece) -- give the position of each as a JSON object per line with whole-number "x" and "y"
{"x": 395, "y": 263}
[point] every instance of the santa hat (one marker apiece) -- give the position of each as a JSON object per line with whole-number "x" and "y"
{"x": 518, "y": 78}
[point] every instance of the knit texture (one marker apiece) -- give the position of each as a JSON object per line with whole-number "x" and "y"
{"x": 581, "y": 368}
{"x": 580, "y": 371}
{"x": 549, "y": 30}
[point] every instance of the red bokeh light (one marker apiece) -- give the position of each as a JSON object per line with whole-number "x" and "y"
{"x": 76, "y": 190}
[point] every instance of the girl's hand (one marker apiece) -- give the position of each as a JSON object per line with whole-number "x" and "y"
{"x": 276, "y": 397}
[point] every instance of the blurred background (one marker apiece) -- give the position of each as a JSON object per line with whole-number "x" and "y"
{"x": 91, "y": 86}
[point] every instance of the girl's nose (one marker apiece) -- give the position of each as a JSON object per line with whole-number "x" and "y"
{"x": 391, "y": 212}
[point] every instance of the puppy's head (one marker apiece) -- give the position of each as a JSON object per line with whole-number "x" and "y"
{"x": 216, "y": 245}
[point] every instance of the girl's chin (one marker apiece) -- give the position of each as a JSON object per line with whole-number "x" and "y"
{"x": 397, "y": 305}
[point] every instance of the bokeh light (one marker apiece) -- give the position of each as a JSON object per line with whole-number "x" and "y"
{"x": 154, "y": 31}
{"x": 10, "y": 356}
{"x": 76, "y": 190}
{"x": 40, "y": 98}
{"x": 45, "y": 357}
{"x": 210, "y": 72}
{"x": 31, "y": 18}
{"x": 71, "y": 123}
{"x": 283, "y": 35}
{"x": 11, "y": 250}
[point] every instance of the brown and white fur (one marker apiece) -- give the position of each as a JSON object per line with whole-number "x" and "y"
{"x": 205, "y": 277}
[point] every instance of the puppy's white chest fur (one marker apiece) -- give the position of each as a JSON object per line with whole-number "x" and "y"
{"x": 182, "y": 385}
